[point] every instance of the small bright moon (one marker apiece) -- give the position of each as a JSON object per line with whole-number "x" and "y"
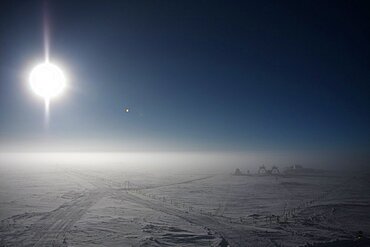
{"x": 47, "y": 80}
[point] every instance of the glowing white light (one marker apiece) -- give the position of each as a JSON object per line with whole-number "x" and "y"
{"x": 47, "y": 80}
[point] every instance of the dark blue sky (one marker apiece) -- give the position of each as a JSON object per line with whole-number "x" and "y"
{"x": 197, "y": 75}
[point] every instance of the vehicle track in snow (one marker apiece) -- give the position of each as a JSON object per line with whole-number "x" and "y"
{"x": 50, "y": 230}
{"x": 235, "y": 235}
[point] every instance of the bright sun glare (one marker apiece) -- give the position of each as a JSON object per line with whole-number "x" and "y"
{"x": 47, "y": 80}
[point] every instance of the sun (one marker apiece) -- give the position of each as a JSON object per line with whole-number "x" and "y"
{"x": 47, "y": 80}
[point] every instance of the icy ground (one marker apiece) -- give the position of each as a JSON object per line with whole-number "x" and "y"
{"x": 113, "y": 206}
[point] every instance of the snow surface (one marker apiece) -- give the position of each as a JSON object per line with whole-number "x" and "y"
{"x": 112, "y": 205}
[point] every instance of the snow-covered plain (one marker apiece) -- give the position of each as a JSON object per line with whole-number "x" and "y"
{"x": 117, "y": 205}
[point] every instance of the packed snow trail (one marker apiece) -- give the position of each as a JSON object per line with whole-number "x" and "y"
{"x": 235, "y": 235}
{"x": 51, "y": 228}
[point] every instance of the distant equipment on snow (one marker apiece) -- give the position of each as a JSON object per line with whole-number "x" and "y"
{"x": 238, "y": 172}
{"x": 294, "y": 170}
{"x": 262, "y": 171}
{"x": 273, "y": 171}
{"x": 300, "y": 170}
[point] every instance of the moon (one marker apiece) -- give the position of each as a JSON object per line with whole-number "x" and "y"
{"x": 47, "y": 80}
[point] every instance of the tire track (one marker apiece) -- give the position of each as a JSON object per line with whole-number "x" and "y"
{"x": 235, "y": 235}
{"x": 51, "y": 228}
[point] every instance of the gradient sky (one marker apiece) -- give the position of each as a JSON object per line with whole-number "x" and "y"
{"x": 196, "y": 75}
